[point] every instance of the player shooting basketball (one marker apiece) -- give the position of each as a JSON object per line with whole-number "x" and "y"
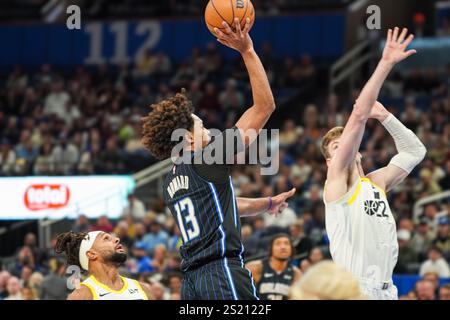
{"x": 359, "y": 222}
{"x": 100, "y": 254}
{"x": 201, "y": 195}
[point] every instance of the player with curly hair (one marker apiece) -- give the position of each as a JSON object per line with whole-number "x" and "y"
{"x": 200, "y": 194}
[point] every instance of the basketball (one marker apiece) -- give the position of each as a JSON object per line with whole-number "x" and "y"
{"x": 225, "y": 10}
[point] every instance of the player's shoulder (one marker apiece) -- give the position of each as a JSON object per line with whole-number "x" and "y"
{"x": 81, "y": 293}
{"x": 377, "y": 178}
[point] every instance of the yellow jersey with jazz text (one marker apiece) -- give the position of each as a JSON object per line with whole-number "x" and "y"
{"x": 131, "y": 290}
{"x": 362, "y": 232}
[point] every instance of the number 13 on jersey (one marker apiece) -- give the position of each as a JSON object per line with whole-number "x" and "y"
{"x": 186, "y": 219}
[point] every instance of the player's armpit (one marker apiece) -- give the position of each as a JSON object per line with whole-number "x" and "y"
{"x": 255, "y": 268}
{"x": 388, "y": 177}
{"x": 83, "y": 293}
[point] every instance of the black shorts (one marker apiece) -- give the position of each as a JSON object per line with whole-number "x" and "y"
{"x": 223, "y": 279}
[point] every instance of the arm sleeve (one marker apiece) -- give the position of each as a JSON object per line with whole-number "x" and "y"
{"x": 410, "y": 149}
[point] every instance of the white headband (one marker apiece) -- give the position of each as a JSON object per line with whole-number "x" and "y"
{"x": 85, "y": 246}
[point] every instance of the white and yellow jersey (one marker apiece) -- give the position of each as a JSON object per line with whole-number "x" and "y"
{"x": 362, "y": 232}
{"x": 131, "y": 290}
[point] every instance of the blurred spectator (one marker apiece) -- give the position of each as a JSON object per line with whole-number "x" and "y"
{"x": 442, "y": 240}
{"x": 4, "y": 277}
{"x": 135, "y": 208}
{"x": 54, "y": 286}
{"x": 422, "y": 238}
{"x": 252, "y": 243}
{"x": 25, "y": 275}
{"x": 14, "y": 289}
{"x": 231, "y": 99}
{"x": 139, "y": 232}
{"x": 121, "y": 232}
{"x": 82, "y": 224}
{"x": 56, "y": 101}
{"x": 433, "y": 277}
{"x": 445, "y": 181}
{"x": 425, "y": 290}
{"x": 284, "y": 220}
{"x": 28, "y": 294}
{"x": 35, "y": 283}
{"x": 173, "y": 262}
{"x": 305, "y": 264}
{"x": 140, "y": 262}
{"x": 406, "y": 255}
{"x": 112, "y": 157}
{"x": 65, "y": 155}
{"x": 146, "y": 64}
{"x": 427, "y": 183}
{"x": 45, "y": 162}
{"x": 156, "y": 235}
{"x": 315, "y": 256}
{"x": 159, "y": 257}
{"x": 158, "y": 291}
{"x": 30, "y": 254}
{"x": 435, "y": 263}
{"x": 444, "y": 292}
{"x": 102, "y": 224}
{"x": 175, "y": 281}
{"x": 7, "y": 158}
{"x": 302, "y": 244}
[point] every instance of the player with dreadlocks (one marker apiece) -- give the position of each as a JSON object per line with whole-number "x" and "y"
{"x": 100, "y": 254}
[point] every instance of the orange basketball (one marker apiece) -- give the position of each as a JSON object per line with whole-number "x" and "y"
{"x": 227, "y": 10}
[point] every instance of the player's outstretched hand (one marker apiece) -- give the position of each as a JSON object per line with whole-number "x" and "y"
{"x": 395, "y": 48}
{"x": 279, "y": 202}
{"x": 238, "y": 39}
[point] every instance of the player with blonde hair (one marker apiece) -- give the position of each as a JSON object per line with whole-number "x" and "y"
{"x": 326, "y": 281}
{"x": 358, "y": 220}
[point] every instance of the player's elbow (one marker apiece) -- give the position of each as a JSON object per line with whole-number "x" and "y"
{"x": 269, "y": 106}
{"x": 421, "y": 152}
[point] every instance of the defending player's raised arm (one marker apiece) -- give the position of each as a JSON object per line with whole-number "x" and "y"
{"x": 394, "y": 52}
{"x": 411, "y": 150}
{"x": 263, "y": 102}
{"x": 248, "y": 207}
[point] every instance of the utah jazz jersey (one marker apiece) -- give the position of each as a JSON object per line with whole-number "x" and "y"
{"x": 362, "y": 232}
{"x": 202, "y": 201}
{"x": 131, "y": 290}
{"x": 273, "y": 285}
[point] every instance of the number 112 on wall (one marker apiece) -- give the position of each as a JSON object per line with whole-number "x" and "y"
{"x": 98, "y": 37}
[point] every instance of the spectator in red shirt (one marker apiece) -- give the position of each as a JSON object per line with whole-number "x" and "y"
{"x": 103, "y": 224}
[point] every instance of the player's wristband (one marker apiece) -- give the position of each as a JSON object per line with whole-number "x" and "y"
{"x": 270, "y": 203}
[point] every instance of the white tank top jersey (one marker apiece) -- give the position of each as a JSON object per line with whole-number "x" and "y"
{"x": 131, "y": 290}
{"x": 362, "y": 232}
